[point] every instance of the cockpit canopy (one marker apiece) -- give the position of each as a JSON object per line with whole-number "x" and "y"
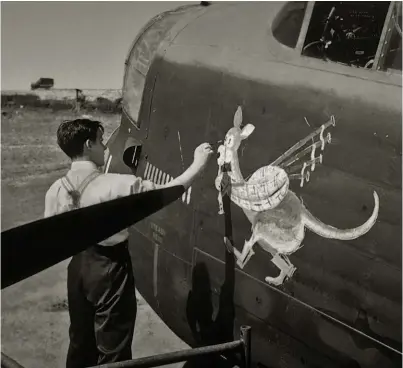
{"x": 358, "y": 34}
{"x": 365, "y": 35}
{"x": 141, "y": 56}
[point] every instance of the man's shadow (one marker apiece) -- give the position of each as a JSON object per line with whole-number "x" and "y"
{"x": 205, "y": 329}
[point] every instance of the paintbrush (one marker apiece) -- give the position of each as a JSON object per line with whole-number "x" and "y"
{"x": 215, "y": 145}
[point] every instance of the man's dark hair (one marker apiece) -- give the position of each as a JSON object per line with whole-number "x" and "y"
{"x": 72, "y": 135}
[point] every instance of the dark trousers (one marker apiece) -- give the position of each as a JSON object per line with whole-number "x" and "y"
{"x": 102, "y": 306}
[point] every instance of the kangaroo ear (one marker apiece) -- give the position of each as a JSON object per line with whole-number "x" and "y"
{"x": 247, "y": 131}
{"x": 238, "y": 117}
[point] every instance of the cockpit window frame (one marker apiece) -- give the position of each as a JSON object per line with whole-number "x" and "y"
{"x": 385, "y": 36}
{"x": 380, "y": 56}
{"x": 305, "y": 26}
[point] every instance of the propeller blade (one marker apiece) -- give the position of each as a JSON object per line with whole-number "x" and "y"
{"x": 33, "y": 247}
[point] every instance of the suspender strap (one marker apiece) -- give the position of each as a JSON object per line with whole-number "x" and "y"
{"x": 76, "y": 194}
{"x": 67, "y": 184}
{"x": 88, "y": 180}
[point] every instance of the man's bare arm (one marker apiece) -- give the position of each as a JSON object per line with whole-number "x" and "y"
{"x": 201, "y": 157}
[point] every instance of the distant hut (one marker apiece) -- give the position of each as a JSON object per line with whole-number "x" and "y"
{"x": 43, "y": 83}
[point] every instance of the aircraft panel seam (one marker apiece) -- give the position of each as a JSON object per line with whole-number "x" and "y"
{"x": 305, "y": 304}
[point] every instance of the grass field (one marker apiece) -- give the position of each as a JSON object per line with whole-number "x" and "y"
{"x": 61, "y": 94}
{"x": 34, "y": 317}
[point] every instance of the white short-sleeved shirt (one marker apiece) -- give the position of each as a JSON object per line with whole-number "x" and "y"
{"x": 103, "y": 188}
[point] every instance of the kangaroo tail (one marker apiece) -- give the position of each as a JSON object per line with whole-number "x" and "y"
{"x": 330, "y": 232}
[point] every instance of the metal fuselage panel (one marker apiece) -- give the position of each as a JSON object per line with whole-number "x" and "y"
{"x": 345, "y": 295}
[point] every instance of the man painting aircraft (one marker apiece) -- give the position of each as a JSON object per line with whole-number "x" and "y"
{"x": 100, "y": 283}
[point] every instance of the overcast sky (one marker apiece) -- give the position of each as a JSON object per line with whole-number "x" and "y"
{"x": 79, "y": 44}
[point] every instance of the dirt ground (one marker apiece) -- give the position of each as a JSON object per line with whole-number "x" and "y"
{"x": 34, "y": 318}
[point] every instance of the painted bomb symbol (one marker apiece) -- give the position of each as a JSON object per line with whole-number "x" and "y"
{"x": 277, "y": 215}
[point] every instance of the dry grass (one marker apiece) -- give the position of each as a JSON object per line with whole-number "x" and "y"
{"x": 31, "y": 160}
{"x": 61, "y": 94}
{"x": 34, "y": 322}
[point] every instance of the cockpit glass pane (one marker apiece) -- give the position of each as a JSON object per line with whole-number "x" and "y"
{"x": 142, "y": 55}
{"x": 346, "y": 32}
{"x": 132, "y": 93}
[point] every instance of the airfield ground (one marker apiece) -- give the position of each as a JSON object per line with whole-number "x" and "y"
{"x": 34, "y": 318}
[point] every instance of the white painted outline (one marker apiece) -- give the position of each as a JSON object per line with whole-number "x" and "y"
{"x": 108, "y": 163}
{"x": 146, "y": 170}
{"x": 153, "y": 172}
{"x": 160, "y": 177}
{"x": 189, "y": 193}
